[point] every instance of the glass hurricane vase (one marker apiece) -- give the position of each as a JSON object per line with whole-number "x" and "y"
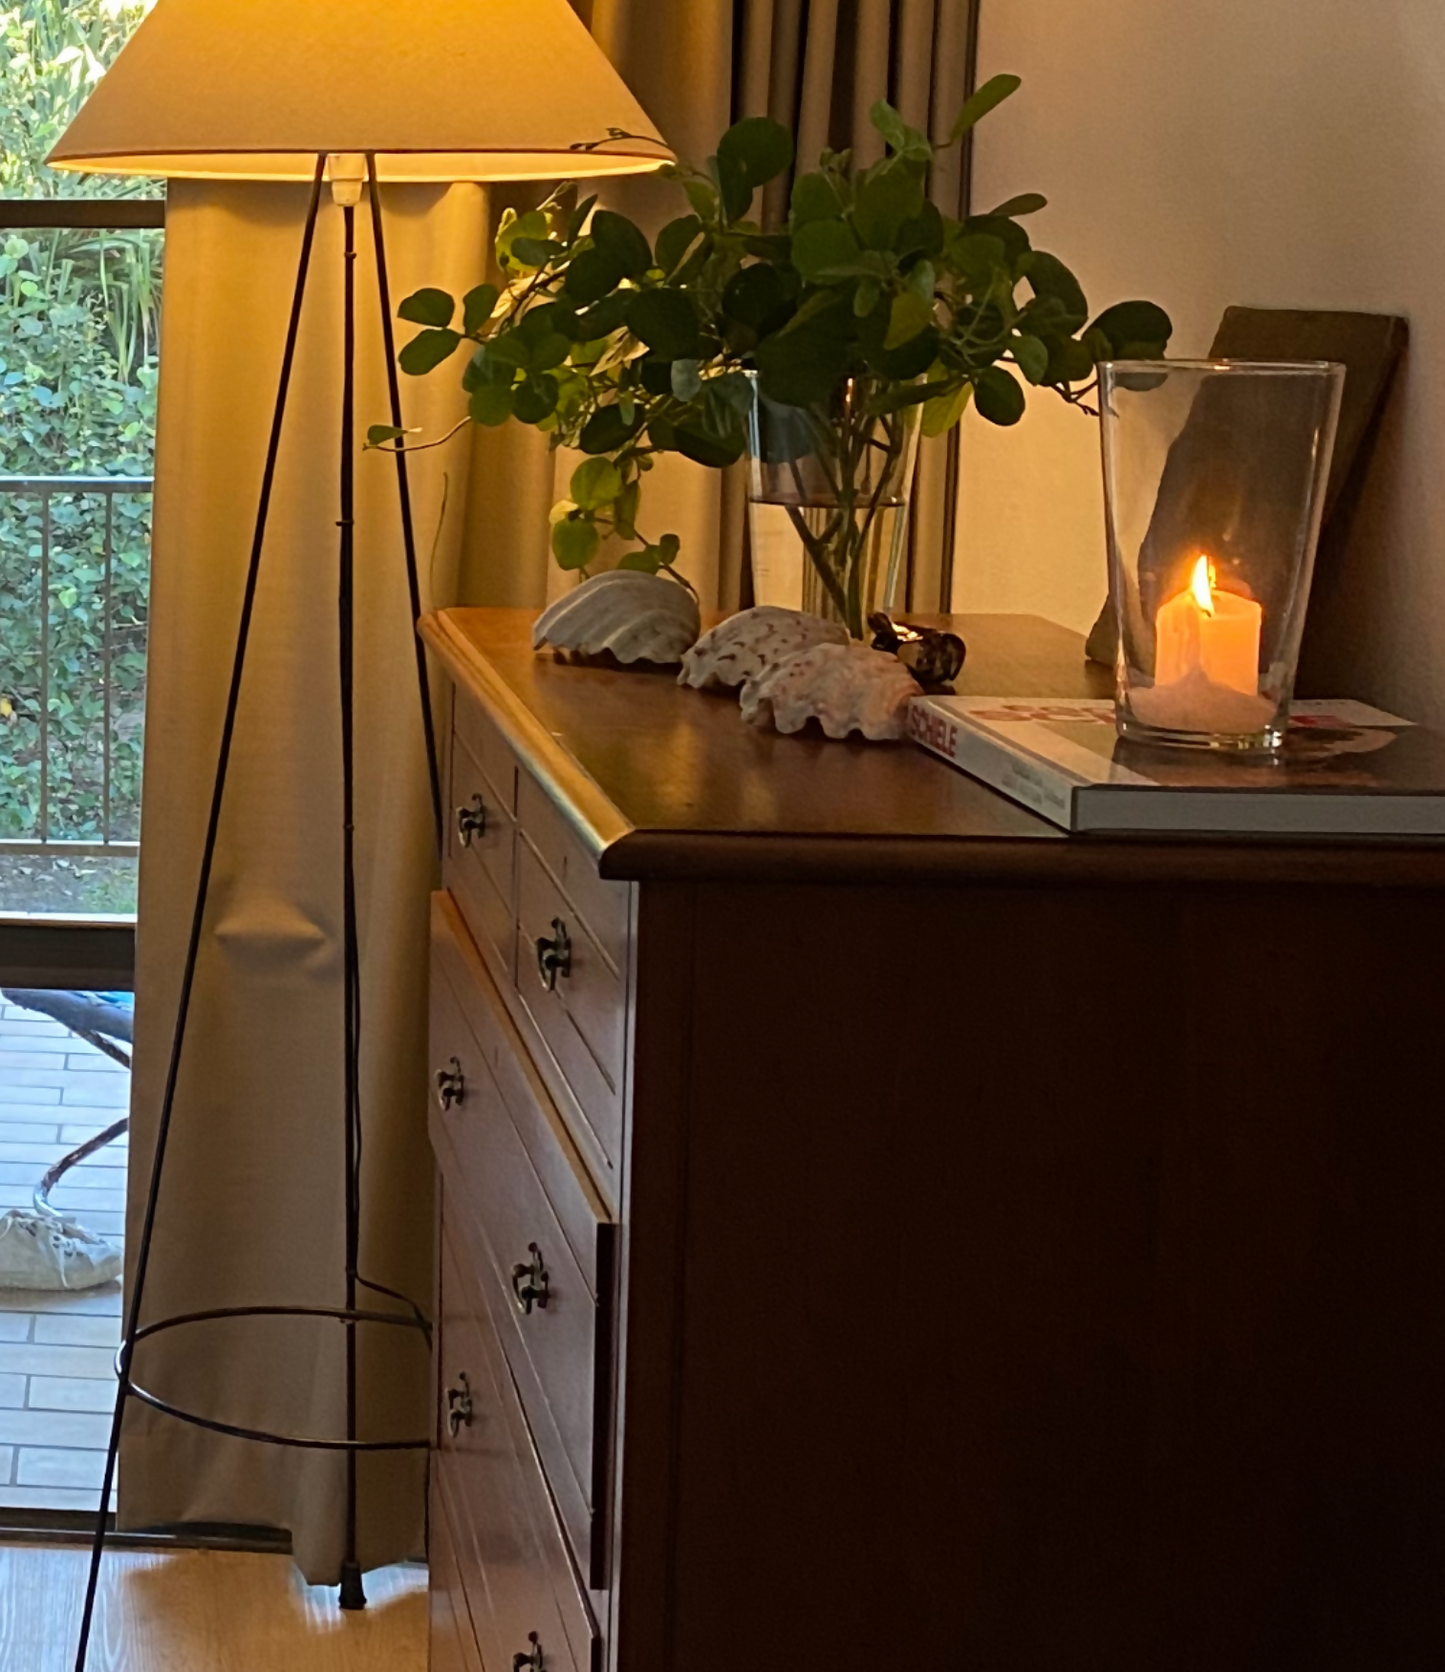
{"x": 828, "y": 503}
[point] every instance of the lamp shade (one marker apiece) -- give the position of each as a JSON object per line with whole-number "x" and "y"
{"x": 441, "y": 90}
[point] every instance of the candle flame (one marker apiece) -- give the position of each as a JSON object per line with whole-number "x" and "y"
{"x": 1202, "y": 585}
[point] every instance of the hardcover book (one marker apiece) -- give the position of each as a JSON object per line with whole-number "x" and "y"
{"x": 1346, "y": 770}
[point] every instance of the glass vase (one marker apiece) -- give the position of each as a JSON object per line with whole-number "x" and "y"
{"x": 1214, "y": 483}
{"x": 828, "y": 503}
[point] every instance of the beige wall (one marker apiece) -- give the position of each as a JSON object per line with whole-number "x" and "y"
{"x": 1207, "y": 152}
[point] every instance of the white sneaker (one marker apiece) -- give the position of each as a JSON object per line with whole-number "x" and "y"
{"x": 37, "y": 1252}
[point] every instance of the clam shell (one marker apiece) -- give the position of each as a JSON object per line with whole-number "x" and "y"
{"x": 751, "y": 642}
{"x": 844, "y": 687}
{"x": 635, "y": 617}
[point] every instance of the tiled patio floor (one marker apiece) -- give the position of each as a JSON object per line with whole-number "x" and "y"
{"x": 57, "y": 1380}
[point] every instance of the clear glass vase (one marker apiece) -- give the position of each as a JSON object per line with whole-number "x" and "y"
{"x": 1214, "y": 480}
{"x": 828, "y": 503}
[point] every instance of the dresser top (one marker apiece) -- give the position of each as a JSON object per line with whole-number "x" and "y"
{"x": 662, "y": 781}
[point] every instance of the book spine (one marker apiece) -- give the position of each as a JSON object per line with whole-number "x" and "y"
{"x": 1020, "y": 778}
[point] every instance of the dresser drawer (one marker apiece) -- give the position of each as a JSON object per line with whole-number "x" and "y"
{"x": 541, "y": 1243}
{"x": 481, "y": 855}
{"x": 453, "y": 1642}
{"x": 604, "y": 906}
{"x": 488, "y": 748}
{"x": 580, "y": 1009}
{"x": 513, "y": 1563}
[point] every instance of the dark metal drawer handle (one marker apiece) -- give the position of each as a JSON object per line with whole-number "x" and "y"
{"x": 532, "y": 1661}
{"x": 472, "y": 821}
{"x": 451, "y": 1085}
{"x": 459, "y": 1406}
{"x": 554, "y": 957}
{"x": 530, "y": 1283}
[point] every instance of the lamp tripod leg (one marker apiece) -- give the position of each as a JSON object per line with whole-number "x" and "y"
{"x": 403, "y": 482}
{"x": 193, "y": 948}
{"x": 352, "y": 1593}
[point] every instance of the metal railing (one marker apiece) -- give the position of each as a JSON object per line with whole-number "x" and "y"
{"x": 84, "y": 748}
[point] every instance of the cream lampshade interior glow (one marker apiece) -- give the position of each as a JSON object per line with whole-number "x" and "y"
{"x": 438, "y": 89}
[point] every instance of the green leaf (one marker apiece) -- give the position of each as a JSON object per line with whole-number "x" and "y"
{"x": 1047, "y": 276}
{"x": 911, "y": 359}
{"x": 1010, "y": 234}
{"x": 1031, "y": 356}
{"x": 666, "y": 321}
{"x": 535, "y": 399}
{"x": 1135, "y": 330}
{"x": 686, "y": 381}
{"x": 1026, "y": 203}
{"x": 492, "y": 405}
{"x": 426, "y": 352}
{"x": 822, "y": 245}
{"x": 760, "y": 297}
{"x": 866, "y": 298}
{"x": 427, "y": 307}
{"x": 998, "y": 396}
{"x": 908, "y": 142}
{"x": 1069, "y": 362}
{"x": 536, "y": 252}
{"x": 910, "y": 315}
{"x": 623, "y": 242}
{"x": 989, "y": 97}
{"x": 944, "y": 411}
{"x": 704, "y": 448}
{"x": 702, "y": 197}
{"x": 531, "y": 225}
{"x": 625, "y": 508}
{"x": 592, "y": 275}
{"x": 976, "y": 257}
{"x": 887, "y": 201}
{"x": 759, "y": 148}
{"x": 595, "y": 484}
{"x": 802, "y": 367}
{"x": 604, "y": 317}
{"x": 608, "y": 429}
{"x": 478, "y": 306}
{"x": 646, "y": 562}
{"x": 675, "y": 241}
{"x": 575, "y": 543}
{"x": 379, "y": 434}
{"x": 578, "y": 218}
{"x": 815, "y": 198}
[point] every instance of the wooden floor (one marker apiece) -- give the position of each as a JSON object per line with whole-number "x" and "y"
{"x": 203, "y": 1611}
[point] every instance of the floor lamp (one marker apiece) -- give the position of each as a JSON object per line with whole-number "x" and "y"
{"x": 354, "y": 94}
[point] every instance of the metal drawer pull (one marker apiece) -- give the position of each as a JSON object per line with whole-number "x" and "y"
{"x": 530, "y": 1283}
{"x": 459, "y": 1406}
{"x": 531, "y": 1662}
{"x": 451, "y": 1085}
{"x": 554, "y": 957}
{"x": 472, "y": 821}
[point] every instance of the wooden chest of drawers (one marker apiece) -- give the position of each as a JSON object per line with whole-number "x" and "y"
{"x": 863, "y": 1241}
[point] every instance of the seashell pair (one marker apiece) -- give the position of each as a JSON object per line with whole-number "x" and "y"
{"x": 634, "y": 617}
{"x": 794, "y": 667}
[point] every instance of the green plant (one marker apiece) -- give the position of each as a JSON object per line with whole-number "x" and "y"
{"x": 627, "y": 349}
{"x": 79, "y": 313}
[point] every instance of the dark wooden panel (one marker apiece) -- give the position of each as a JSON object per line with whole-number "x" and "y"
{"x": 478, "y": 734}
{"x": 1078, "y": 1302}
{"x": 603, "y": 906}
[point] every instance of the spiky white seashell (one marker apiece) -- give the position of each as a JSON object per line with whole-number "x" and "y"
{"x": 751, "y": 642}
{"x": 844, "y": 687}
{"x": 638, "y": 618}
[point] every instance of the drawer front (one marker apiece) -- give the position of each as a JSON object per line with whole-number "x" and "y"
{"x": 581, "y": 1009}
{"x": 552, "y": 1309}
{"x": 604, "y": 906}
{"x": 481, "y": 855}
{"x": 488, "y": 748}
{"x": 513, "y": 1562}
{"x": 452, "y": 1639}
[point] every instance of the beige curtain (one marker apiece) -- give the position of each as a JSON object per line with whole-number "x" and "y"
{"x": 817, "y": 66}
{"x": 252, "y": 1204}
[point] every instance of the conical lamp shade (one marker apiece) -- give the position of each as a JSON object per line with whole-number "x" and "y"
{"x": 437, "y": 89}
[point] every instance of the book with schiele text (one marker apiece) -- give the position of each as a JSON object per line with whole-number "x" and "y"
{"x": 1346, "y": 769}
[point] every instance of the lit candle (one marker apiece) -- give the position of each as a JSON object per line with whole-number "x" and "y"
{"x": 1206, "y": 665}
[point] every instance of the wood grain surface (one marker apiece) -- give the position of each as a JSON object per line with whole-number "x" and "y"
{"x": 203, "y": 1611}
{"x": 663, "y": 782}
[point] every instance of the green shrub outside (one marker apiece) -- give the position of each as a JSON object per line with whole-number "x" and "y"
{"x": 79, "y": 313}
